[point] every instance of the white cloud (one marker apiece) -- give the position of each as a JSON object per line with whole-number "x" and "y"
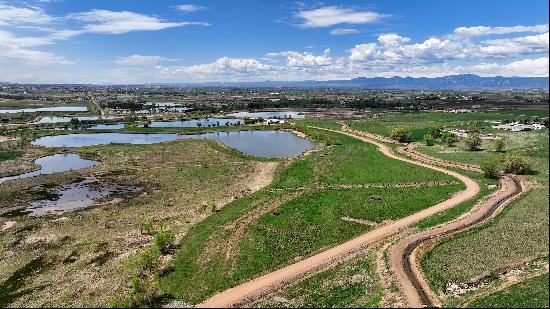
{"x": 139, "y": 60}
{"x": 525, "y": 45}
{"x": 11, "y": 15}
{"x": 305, "y": 59}
{"x": 525, "y": 67}
{"x": 391, "y": 40}
{"x": 223, "y": 67}
{"x": 483, "y": 30}
{"x": 343, "y": 31}
{"x": 188, "y": 8}
{"x": 110, "y": 22}
{"x": 335, "y": 15}
{"x": 364, "y": 52}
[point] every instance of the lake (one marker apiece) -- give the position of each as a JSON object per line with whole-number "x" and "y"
{"x": 267, "y": 144}
{"x": 45, "y": 109}
{"x": 204, "y": 122}
{"x": 56, "y": 163}
{"x": 268, "y": 115}
{"x": 54, "y": 119}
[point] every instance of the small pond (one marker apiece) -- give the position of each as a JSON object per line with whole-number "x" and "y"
{"x": 115, "y": 126}
{"x": 76, "y": 196}
{"x": 268, "y": 144}
{"x": 56, "y": 163}
{"x": 269, "y": 115}
{"x": 45, "y": 109}
{"x": 53, "y": 119}
{"x": 205, "y": 122}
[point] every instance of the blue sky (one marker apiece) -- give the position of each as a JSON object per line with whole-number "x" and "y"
{"x": 138, "y": 41}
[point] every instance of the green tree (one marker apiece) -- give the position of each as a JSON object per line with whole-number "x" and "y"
{"x": 498, "y": 145}
{"x": 490, "y": 169}
{"x": 449, "y": 139}
{"x": 435, "y": 132}
{"x": 472, "y": 142}
{"x": 401, "y": 135}
{"x": 429, "y": 139}
{"x": 517, "y": 164}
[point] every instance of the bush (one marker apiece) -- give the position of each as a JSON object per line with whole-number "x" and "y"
{"x": 498, "y": 145}
{"x": 517, "y": 164}
{"x": 490, "y": 169}
{"x": 429, "y": 139}
{"x": 435, "y": 132}
{"x": 150, "y": 259}
{"x": 163, "y": 240}
{"x": 401, "y": 135}
{"x": 472, "y": 142}
{"x": 449, "y": 139}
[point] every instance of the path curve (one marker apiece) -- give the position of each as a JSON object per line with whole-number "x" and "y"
{"x": 255, "y": 288}
{"x": 403, "y": 255}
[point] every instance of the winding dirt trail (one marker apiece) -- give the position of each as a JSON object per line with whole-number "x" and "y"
{"x": 255, "y": 288}
{"x": 404, "y": 255}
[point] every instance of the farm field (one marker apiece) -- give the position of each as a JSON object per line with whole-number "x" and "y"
{"x": 531, "y": 293}
{"x": 87, "y": 258}
{"x": 519, "y": 233}
{"x": 419, "y": 122}
{"x": 299, "y": 214}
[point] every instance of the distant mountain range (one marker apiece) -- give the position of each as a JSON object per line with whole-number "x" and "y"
{"x": 451, "y": 82}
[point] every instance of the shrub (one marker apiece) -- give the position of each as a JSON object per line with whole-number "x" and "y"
{"x": 517, "y": 164}
{"x": 472, "y": 142}
{"x": 401, "y": 135}
{"x": 146, "y": 227}
{"x": 449, "y": 139}
{"x": 435, "y": 132}
{"x": 490, "y": 169}
{"x": 498, "y": 145}
{"x": 150, "y": 259}
{"x": 429, "y": 139}
{"x": 163, "y": 240}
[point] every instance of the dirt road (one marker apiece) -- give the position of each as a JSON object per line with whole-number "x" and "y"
{"x": 403, "y": 256}
{"x": 260, "y": 286}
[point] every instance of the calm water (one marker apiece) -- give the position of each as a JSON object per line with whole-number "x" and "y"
{"x": 268, "y": 115}
{"x": 268, "y": 144}
{"x": 115, "y": 126}
{"x": 45, "y": 109}
{"x": 205, "y": 122}
{"x": 76, "y": 196}
{"x": 53, "y": 119}
{"x": 56, "y": 163}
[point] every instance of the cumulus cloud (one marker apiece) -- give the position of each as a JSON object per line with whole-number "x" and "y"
{"x": 483, "y": 30}
{"x": 343, "y": 31}
{"x": 139, "y": 60}
{"x": 110, "y": 22}
{"x": 335, "y": 15}
{"x": 525, "y": 67}
{"x": 304, "y": 59}
{"x": 221, "y": 68}
{"x": 188, "y": 8}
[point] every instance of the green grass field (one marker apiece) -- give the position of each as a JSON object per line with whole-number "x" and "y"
{"x": 518, "y": 233}
{"x": 8, "y": 154}
{"x": 352, "y": 284}
{"x": 531, "y": 293}
{"x": 299, "y": 215}
{"x": 418, "y": 122}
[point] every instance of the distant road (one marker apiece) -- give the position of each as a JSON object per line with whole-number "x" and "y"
{"x": 255, "y": 288}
